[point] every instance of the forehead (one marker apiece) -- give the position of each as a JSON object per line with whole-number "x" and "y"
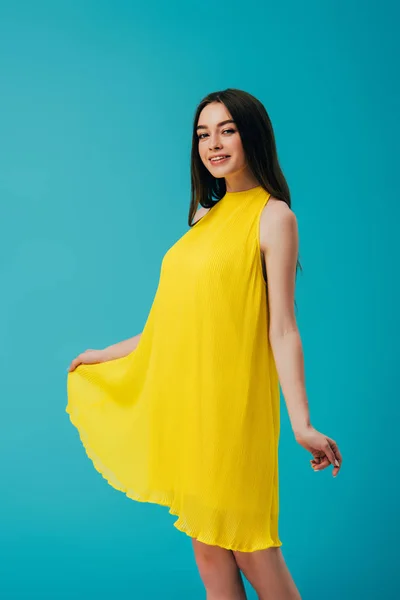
{"x": 213, "y": 113}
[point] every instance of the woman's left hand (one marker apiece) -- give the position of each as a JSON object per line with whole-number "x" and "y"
{"x": 323, "y": 448}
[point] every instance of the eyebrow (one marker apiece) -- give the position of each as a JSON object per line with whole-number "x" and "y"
{"x": 218, "y": 124}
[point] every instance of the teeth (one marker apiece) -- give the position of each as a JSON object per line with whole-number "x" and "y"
{"x": 218, "y": 158}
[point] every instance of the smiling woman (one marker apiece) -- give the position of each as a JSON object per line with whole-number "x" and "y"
{"x": 188, "y": 416}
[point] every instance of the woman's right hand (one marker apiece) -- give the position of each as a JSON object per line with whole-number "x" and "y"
{"x": 89, "y": 357}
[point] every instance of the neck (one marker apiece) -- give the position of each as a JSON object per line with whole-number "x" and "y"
{"x": 237, "y": 194}
{"x": 240, "y": 181}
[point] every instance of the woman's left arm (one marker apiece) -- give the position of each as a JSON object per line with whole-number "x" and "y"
{"x": 279, "y": 242}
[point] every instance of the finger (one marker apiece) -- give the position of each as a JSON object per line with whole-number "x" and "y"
{"x": 338, "y": 457}
{"x": 322, "y": 465}
{"x": 317, "y": 459}
{"x": 330, "y": 453}
{"x": 336, "y": 451}
{"x": 77, "y": 361}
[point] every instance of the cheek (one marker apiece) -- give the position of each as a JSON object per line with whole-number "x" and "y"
{"x": 239, "y": 149}
{"x": 235, "y": 148}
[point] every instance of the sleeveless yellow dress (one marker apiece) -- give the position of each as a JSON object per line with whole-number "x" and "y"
{"x": 190, "y": 418}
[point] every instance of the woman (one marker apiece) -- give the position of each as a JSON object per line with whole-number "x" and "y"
{"x": 186, "y": 414}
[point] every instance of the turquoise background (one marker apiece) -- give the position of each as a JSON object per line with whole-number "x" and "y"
{"x": 96, "y": 108}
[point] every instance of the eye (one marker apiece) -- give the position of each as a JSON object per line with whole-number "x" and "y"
{"x": 224, "y": 131}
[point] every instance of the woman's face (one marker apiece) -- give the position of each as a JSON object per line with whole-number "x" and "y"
{"x": 219, "y": 138}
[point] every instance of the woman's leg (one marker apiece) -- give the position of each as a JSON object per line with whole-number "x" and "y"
{"x": 267, "y": 572}
{"x": 219, "y": 572}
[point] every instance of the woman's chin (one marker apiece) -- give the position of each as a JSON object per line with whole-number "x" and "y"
{"x": 221, "y": 171}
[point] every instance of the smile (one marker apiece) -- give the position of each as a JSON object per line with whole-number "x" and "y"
{"x": 219, "y": 159}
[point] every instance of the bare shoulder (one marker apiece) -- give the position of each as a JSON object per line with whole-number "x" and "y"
{"x": 199, "y": 214}
{"x": 277, "y": 219}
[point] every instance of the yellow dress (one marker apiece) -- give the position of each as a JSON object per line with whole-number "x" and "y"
{"x": 190, "y": 418}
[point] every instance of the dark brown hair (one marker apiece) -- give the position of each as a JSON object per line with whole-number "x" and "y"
{"x": 259, "y": 146}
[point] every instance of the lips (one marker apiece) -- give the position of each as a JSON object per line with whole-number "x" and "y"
{"x": 219, "y": 158}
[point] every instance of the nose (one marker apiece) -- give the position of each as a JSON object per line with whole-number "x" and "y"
{"x": 214, "y": 142}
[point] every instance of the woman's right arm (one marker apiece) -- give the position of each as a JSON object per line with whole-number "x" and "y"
{"x": 112, "y": 352}
{"x": 122, "y": 348}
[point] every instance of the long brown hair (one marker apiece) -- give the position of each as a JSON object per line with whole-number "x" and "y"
{"x": 259, "y": 146}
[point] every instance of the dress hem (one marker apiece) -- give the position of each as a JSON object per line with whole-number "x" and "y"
{"x": 100, "y": 468}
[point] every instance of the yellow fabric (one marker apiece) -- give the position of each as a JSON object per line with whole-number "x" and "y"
{"x": 190, "y": 418}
